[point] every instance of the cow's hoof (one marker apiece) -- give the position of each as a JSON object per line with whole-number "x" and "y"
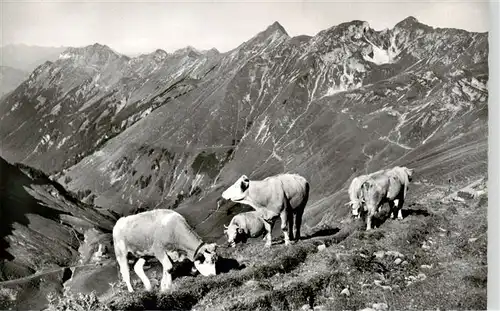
{"x": 267, "y": 245}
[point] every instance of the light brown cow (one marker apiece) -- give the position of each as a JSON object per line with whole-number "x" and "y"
{"x": 244, "y": 225}
{"x": 389, "y": 186}
{"x": 166, "y": 235}
{"x": 283, "y": 195}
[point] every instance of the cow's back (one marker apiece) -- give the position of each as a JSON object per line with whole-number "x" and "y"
{"x": 296, "y": 189}
{"x": 138, "y": 232}
{"x": 253, "y": 222}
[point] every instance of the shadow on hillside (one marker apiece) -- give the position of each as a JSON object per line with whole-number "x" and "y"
{"x": 321, "y": 233}
{"x": 187, "y": 268}
{"x": 414, "y": 212}
{"x": 225, "y": 265}
{"x": 16, "y": 202}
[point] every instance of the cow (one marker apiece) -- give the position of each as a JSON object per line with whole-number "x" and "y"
{"x": 356, "y": 200}
{"x": 166, "y": 235}
{"x": 388, "y": 186}
{"x": 244, "y": 225}
{"x": 282, "y": 195}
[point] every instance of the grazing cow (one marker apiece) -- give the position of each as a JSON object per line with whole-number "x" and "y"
{"x": 389, "y": 186}
{"x": 166, "y": 235}
{"x": 283, "y": 195}
{"x": 356, "y": 200}
{"x": 244, "y": 225}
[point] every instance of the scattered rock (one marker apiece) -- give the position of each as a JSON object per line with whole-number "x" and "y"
{"x": 479, "y": 193}
{"x": 458, "y": 199}
{"x": 426, "y": 266}
{"x": 345, "y": 291}
{"x": 425, "y": 246}
{"x": 472, "y": 240}
{"x": 379, "y": 254}
{"x": 380, "y": 306}
{"x": 465, "y": 195}
{"x": 404, "y": 263}
{"x": 394, "y": 254}
{"x": 306, "y": 307}
{"x": 321, "y": 247}
{"x": 421, "y": 276}
{"x": 367, "y": 309}
{"x": 398, "y": 261}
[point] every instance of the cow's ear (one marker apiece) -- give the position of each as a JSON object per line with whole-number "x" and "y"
{"x": 244, "y": 183}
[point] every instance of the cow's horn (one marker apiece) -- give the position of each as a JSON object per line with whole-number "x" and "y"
{"x": 226, "y": 226}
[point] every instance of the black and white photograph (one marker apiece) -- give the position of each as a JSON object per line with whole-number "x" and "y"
{"x": 247, "y": 155}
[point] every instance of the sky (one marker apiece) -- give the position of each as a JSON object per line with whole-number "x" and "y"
{"x": 133, "y": 27}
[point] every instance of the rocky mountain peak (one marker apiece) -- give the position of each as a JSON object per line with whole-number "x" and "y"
{"x": 276, "y": 27}
{"x": 94, "y": 51}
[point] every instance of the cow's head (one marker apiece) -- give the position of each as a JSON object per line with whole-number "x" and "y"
{"x": 356, "y": 207}
{"x": 238, "y": 191}
{"x": 234, "y": 234}
{"x": 409, "y": 173}
{"x": 205, "y": 259}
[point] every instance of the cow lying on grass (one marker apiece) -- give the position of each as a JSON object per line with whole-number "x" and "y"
{"x": 243, "y": 226}
{"x": 389, "y": 186}
{"x": 283, "y": 195}
{"x": 166, "y": 235}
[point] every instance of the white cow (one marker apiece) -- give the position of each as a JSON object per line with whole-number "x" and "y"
{"x": 389, "y": 186}
{"x": 283, "y": 195}
{"x": 355, "y": 194}
{"x": 244, "y": 225}
{"x": 166, "y": 235}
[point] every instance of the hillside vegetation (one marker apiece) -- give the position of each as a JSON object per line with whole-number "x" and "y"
{"x": 433, "y": 259}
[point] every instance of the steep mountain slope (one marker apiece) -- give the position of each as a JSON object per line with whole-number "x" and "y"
{"x": 28, "y": 57}
{"x": 42, "y": 230}
{"x": 68, "y": 108}
{"x": 10, "y": 78}
{"x": 345, "y": 101}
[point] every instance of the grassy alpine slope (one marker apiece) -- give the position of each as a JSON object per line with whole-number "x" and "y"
{"x": 433, "y": 259}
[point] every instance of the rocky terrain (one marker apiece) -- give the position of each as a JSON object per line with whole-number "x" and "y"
{"x": 172, "y": 130}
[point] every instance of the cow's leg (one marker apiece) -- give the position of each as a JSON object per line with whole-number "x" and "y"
{"x": 399, "y": 204}
{"x": 139, "y": 270}
{"x": 284, "y": 224}
{"x": 369, "y": 216}
{"x": 392, "y": 208}
{"x": 166, "y": 280}
{"x": 268, "y": 225}
{"x": 291, "y": 234}
{"x": 124, "y": 269}
{"x": 298, "y": 222}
